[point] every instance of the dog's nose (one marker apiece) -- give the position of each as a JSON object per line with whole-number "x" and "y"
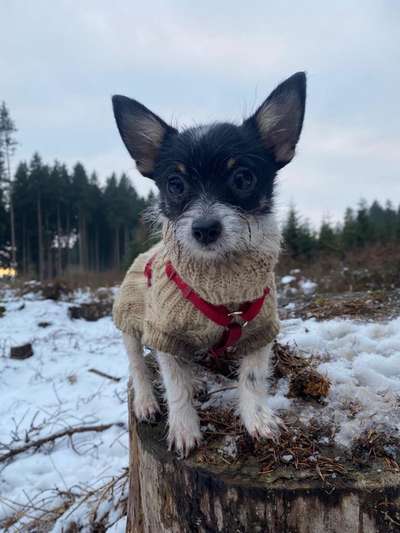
{"x": 206, "y": 230}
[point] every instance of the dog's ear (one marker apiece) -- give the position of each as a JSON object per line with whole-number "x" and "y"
{"x": 280, "y": 118}
{"x": 142, "y": 131}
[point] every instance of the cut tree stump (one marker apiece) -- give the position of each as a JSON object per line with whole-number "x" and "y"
{"x": 167, "y": 494}
{"x": 21, "y": 352}
{"x": 90, "y": 311}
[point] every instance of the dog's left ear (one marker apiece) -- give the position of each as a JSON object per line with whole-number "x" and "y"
{"x": 279, "y": 119}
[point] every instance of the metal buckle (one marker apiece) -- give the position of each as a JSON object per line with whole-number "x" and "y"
{"x": 239, "y": 314}
{"x": 235, "y": 313}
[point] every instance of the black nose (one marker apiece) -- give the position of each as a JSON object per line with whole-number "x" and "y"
{"x": 206, "y": 230}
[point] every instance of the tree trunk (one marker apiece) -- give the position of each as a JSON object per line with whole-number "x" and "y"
{"x": 40, "y": 238}
{"x": 12, "y": 213}
{"x": 48, "y": 250}
{"x": 59, "y": 247}
{"x": 126, "y": 240}
{"x": 185, "y": 496}
{"x": 116, "y": 248}
{"x": 68, "y": 228}
{"x": 13, "y": 240}
{"x": 82, "y": 241}
{"x": 24, "y": 246}
{"x": 97, "y": 250}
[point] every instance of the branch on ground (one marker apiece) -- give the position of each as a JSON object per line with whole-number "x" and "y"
{"x": 54, "y": 436}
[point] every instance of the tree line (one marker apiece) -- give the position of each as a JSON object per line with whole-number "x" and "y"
{"x": 66, "y": 221}
{"x": 362, "y": 226}
{"x": 53, "y": 220}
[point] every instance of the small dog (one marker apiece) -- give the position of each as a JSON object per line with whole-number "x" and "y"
{"x": 209, "y": 285}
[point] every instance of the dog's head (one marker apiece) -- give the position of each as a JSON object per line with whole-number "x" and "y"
{"x": 217, "y": 181}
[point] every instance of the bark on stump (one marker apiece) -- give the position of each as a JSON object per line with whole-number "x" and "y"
{"x": 178, "y": 496}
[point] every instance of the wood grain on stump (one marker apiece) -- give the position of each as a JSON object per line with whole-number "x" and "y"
{"x": 172, "y": 495}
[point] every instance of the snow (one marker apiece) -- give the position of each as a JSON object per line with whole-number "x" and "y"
{"x": 292, "y": 284}
{"x": 307, "y": 286}
{"x": 54, "y": 389}
{"x": 287, "y": 279}
{"x": 362, "y": 360}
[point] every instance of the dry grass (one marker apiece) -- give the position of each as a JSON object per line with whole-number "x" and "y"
{"x": 98, "y": 508}
{"x": 368, "y": 305}
{"x": 374, "y": 267}
{"x": 377, "y": 443}
{"x": 300, "y": 447}
{"x": 72, "y": 280}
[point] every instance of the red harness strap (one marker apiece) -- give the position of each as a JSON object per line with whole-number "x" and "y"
{"x": 148, "y": 270}
{"x": 219, "y": 314}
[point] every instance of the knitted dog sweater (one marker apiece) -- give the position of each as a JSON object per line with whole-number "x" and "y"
{"x": 164, "y": 320}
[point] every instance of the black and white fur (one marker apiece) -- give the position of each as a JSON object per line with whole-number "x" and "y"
{"x": 216, "y": 186}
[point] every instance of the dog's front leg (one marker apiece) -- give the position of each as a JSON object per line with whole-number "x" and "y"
{"x": 144, "y": 403}
{"x": 183, "y": 421}
{"x": 257, "y": 417}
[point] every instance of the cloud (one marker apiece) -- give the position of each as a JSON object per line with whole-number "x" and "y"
{"x": 202, "y": 61}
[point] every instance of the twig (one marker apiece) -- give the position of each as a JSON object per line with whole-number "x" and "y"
{"x": 50, "y": 438}
{"x": 104, "y": 374}
{"x": 222, "y": 390}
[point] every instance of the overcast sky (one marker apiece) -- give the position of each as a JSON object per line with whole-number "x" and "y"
{"x": 60, "y": 62}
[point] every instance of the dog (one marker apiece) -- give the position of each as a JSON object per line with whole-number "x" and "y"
{"x": 209, "y": 284}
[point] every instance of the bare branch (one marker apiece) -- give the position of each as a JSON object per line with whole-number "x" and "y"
{"x": 51, "y": 438}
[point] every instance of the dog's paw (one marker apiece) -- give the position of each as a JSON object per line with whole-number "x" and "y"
{"x": 145, "y": 407}
{"x": 259, "y": 420}
{"x": 184, "y": 431}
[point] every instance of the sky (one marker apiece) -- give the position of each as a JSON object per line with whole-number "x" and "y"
{"x": 190, "y": 61}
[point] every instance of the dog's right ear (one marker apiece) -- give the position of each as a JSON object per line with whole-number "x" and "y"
{"x": 142, "y": 131}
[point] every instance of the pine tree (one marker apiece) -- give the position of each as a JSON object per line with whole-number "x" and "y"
{"x": 37, "y": 183}
{"x": 81, "y": 202}
{"x": 327, "y": 239}
{"x": 4, "y": 219}
{"x": 349, "y": 230}
{"x": 291, "y": 233}
{"x": 298, "y": 237}
{"x": 24, "y": 216}
{"x": 7, "y": 148}
{"x": 363, "y": 229}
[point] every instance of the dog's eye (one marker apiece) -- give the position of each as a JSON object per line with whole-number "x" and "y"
{"x": 243, "y": 182}
{"x": 176, "y": 186}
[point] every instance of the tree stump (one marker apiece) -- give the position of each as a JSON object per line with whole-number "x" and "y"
{"x": 21, "y": 352}
{"x": 167, "y": 494}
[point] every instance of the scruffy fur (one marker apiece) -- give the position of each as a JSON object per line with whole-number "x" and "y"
{"x": 216, "y": 186}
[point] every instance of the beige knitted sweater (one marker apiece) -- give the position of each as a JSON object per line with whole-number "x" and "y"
{"x": 164, "y": 320}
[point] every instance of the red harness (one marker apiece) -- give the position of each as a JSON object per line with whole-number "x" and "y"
{"x": 219, "y": 314}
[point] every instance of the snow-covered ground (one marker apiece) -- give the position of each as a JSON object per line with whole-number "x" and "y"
{"x": 362, "y": 361}
{"x": 55, "y": 389}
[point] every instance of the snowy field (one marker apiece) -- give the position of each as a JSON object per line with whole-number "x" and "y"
{"x": 56, "y": 389}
